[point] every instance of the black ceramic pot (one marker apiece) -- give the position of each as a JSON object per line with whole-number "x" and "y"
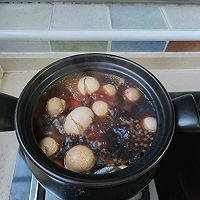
{"x": 18, "y": 114}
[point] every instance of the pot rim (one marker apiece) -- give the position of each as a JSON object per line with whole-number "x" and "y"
{"x": 123, "y": 175}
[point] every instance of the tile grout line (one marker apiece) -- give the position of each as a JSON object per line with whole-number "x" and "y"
{"x": 1, "y": 75}
{"x": 49, "y": 44}
{"x": 1, "y": 72}
{"x": 166, "y": 20}
{"x": 52, "y": 16}
{"x": 110, "y": 26}
{"x": 109, "y": 46}
{"x": 50, "y": 24}
{"x": 164, "y": 14}
{"x": 166, "y": 44}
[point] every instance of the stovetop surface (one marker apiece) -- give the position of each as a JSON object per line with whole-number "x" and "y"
{"x": 178, "y": 176}
{"x": 26, "y": 187}
{"x": 21, "y": 180}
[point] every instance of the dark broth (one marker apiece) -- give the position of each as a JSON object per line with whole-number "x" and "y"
{"x": 118, "y": 138}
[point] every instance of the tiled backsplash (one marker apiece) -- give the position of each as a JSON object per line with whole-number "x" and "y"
{"x": 82, "y": 46}
{"x": 25, "y": 16}
{"x": 138, "y": 46}
{"x": 80, "y": 17}
{"x": 178, "y": 46}
{"x": 182, "y": 17}
{"x": 21, "y": 46}
{"x": 103, "y": 17}
{"x": 136, "y": 17}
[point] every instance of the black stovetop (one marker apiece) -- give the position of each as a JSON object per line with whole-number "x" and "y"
{"x": 26, "y": 187}
{"x": 177, "y": 178}
{"x": 178, "y": 175}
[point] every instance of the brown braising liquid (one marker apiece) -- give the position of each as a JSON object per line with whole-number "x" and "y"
{"x": 118, "y": 138}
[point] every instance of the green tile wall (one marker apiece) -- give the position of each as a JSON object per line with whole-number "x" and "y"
{"x": 72, "y": 46}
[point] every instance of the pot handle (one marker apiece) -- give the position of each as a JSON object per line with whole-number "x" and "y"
{"x": 186, "y": 114}
{"x": 7, "y": 111}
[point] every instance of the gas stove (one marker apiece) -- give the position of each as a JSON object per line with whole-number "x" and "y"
{"x": 26, "y": 187}
{"x": 178, "y": 175}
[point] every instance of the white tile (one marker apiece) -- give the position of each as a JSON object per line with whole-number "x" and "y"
{"x": 25, "y": 16}
{"x": 13, "y": 83}
{"x": 136, "y": 16}
{"x": 182, "y": 16}
{"x": 24, "y": 46}
{"x": 179, "y": 80}
{"x": 69, "y": 16}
